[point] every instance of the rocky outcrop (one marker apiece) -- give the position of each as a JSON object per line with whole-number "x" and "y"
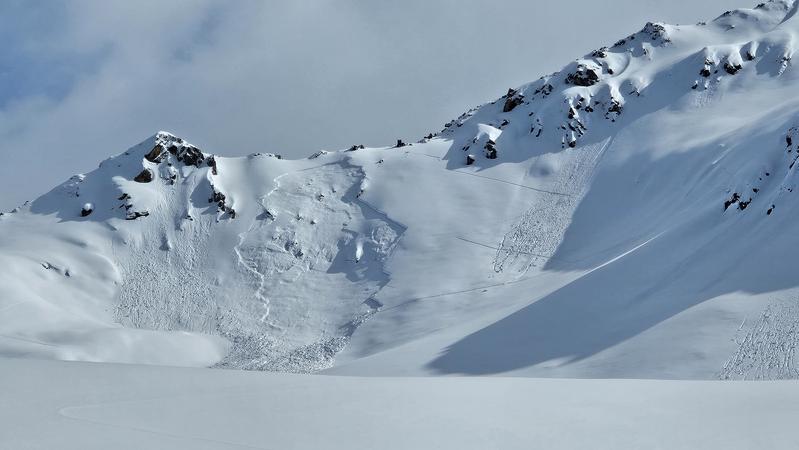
{"x": 221, "y": 203}
{"x": 211, "y": 161}
{"x": 732, "y": 69}
{"x": 512, "y": 99}
{"x": 87, "y": 209}
{"x": 189, "y": 155}
{"x": 656, "y": 32}
{"x": 491, "y": 149}
{"x": 156, "y": 155}
{"x": 584, "y": 76}
{"x": 736, "y": 197}
{"x": 133, "y": 215}
{"x": 706, "y": 72}
{"x": 145, "y": 176}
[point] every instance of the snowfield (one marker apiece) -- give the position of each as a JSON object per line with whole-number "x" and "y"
{"x": 99, "y": 406}
{"x": 629, "y": 217}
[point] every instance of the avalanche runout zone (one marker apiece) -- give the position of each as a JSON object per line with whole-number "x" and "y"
{"x": 319, "y": 225}
{"x": 768, "y": 350}
{"x": 539, "y": 231}
{"x": 297, "y": 290}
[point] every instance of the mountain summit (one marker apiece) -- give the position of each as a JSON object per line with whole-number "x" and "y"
{"x": 629, "y": 216}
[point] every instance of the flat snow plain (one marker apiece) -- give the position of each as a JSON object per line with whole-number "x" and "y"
{"x": 87, "y": 406}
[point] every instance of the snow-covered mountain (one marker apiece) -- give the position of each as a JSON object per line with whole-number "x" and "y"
{"x": 632, "y": 215}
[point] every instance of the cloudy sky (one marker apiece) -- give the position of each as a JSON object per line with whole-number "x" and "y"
{"x": 82, "y": 80}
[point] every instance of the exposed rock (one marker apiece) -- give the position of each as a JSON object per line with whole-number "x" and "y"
{"x": 87, "y": 209}
{"x": 736, "y": 197}
{"x": 211, "y": 161}
{"x": 491, "y": 149}
{"x": 145, "y": 176}
{"x": 743, "y": 204}
{"x": 136, "y": 214}
{"x": 544, "y": 90}
{"x": 705, "y": 72}
{"x": 583, "y": 76}
{"x": 732, "y": 69}
{"x": 191, "y": 156}
{"x": 218, "y": 198}
{"x": 614, "y": 110}
{"x": 156, "y": 155}
{"x": 512, "y": 99}
{"x": 470, "y": 159}
{"x": 656, "y": 32}
{"x": 400, "y": 143}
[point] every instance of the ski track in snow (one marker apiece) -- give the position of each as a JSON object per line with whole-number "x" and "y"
{"x": 540, "y": 230}
{"x": 543, "y": 191}
{"x": 73, "y": 413}
{"x": 768, "y": 350}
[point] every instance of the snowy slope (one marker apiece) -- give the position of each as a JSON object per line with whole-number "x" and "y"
{"x": 628, "y": 216}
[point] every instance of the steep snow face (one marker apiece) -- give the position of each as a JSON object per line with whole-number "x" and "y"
{"x": 628, "y": 216}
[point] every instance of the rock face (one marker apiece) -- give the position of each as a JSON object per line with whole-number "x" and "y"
{"x": 156, "y": 155}
{"x": 512, "y": 99}
{"x": 656, "y": 32}
{"x": 470, "y": 160}
{"x": 187, "y": 154}
{"x": 584, "y": 76}
{"x": 145, "y": 176}
{"x": 212, "y": 164}
{"x": 732, "y": 69}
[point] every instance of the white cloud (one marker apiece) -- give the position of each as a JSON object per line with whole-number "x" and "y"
{"x": 285, "y": 77}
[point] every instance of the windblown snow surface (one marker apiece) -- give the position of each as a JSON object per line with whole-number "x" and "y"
{"x": 631, "y": 216}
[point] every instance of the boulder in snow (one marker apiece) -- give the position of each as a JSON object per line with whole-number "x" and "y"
{"x": 87, "y": 209}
